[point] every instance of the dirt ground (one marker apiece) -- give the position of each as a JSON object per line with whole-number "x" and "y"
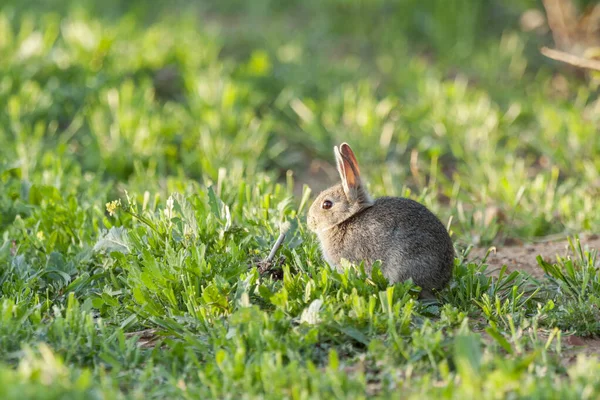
{"x": 523, "y": 258}
{"x": 575, "y": 345}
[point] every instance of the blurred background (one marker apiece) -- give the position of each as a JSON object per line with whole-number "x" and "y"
{"x": 447, "y": 101}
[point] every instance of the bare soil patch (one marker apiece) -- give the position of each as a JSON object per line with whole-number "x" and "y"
{"x": 523, "y": 257}
{"x": 576, "y": 345}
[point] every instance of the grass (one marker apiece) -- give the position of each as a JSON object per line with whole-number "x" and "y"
{"x": 151, "y": 154}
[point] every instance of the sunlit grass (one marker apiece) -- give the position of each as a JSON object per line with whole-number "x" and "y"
{"x": 150, "y": 156}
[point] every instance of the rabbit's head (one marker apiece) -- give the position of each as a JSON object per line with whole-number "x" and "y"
{"x": 340, "y": 202}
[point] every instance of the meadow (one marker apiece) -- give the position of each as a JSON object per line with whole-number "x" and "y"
{"x": 151, "y": 152}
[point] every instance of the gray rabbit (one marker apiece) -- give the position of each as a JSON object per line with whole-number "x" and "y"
{"x": 404, "y": 235}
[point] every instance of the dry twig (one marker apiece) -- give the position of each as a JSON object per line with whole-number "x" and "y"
{"x": 267, "y": 263}
{"x": 571, "y": 59}
{"x": 574, "y": 35}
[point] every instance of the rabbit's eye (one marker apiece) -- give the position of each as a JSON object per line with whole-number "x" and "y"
{"x": 327, "y": 204}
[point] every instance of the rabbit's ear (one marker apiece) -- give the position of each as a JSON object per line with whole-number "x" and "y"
{"x": 339, "y": 162}
{"x": 349, "y": 171}
{"x": 349, "y": 154}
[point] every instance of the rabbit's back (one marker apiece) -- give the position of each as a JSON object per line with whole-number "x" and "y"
{"x": 409, "y": 239}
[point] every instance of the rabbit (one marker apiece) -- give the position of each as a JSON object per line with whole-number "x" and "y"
{"x": 407, "y": 238}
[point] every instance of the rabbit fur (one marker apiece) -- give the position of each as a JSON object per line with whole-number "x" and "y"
{"x": 408, "y": 239}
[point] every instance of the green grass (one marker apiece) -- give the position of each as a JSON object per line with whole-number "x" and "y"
{"x": 203, "y": 120}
